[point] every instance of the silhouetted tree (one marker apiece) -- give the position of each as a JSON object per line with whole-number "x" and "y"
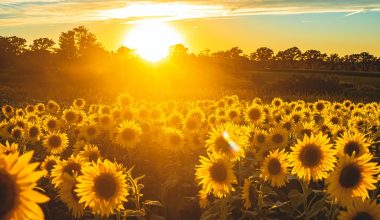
{"x": 178, "y": 51}
{"x": 313, "y": 58}
{"x": 67, "y": 48}
{"x": 263, "y": 55}
{"x": 10, "y": 49}
{"x": 289, "y": 57}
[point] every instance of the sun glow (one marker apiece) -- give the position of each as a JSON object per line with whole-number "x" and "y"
{"x": 152, "y": 40}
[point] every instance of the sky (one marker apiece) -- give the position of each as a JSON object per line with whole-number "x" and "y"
{"x": 331, "y": 26}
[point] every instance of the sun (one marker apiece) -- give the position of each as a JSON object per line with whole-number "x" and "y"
{"x": 152, "y": 40}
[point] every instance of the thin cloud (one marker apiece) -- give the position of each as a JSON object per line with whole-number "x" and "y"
{"x": 21, "y": 12}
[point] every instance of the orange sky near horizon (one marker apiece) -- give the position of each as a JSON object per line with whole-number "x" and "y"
{"x": 329, "y": 29}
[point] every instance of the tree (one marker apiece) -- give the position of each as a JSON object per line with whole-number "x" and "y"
{"x": 365, "y": 60}
{"x": 10, "y": 49}
{"x": 262, "y": 55}
{"x": 85, "y": 41}
{"x": 333, "y": 60}
{"x": 178, "y": 50}
{"x": 313, "y": 58}
{"x": 289, "y": 57}
{"x": 44, "y": 45}
{"x": 67, "y": 48}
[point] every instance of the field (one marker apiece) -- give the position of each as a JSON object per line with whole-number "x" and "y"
{"x": 250, "y": 145}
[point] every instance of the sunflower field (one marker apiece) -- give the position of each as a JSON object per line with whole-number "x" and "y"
{"x": 205, "y": 159}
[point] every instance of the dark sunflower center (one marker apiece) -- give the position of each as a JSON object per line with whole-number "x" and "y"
{"x": 105, "y": 120}
{"x": 33, "y": 131}
{"x": 105, "y": 186}
{"x": 128, "y": 134}
{"x": 52, "y": 124}
{"x": 233, "y": 114}
{"x": 70, "y": 116}
{"x": 16, "y": 133}
{"x": 334, "y": 120}
{"x": 287, "y": 126}
{"x": 93, "y": 156}
{"x": 254, "y": 114}
{"x": 320, "y": 106}
{"x": 91, "y": 131}
{"x": 350, "y": 176}
{"x": 363, "y": 216}
{"x": 277, "y": 138}
{"x": 310, "y": 155}
{"x": 8, "y": 192}
{"x": 222, "y": 145}
{"x": 55, "y": 141}
{"x": 79, "y": 102}
{"x": 8, "y": 109}
{"x": 175, "y": 139}
{"x": 191, "y": 124}
{"x": 306, "y": 132}
{"x": 79, "y": 118}
{"x": 50, "y": 165}
{"x": 260, "y": 138}
{"x": 274, "y": 166}
{"x": 218, "y": 172}
{"x": 40, "y": 108}
{"x": 352, "y": 147}
{"x": 30, "y": 109}
{"x": 71, "y": 168}
{"x": 296, "y": 118}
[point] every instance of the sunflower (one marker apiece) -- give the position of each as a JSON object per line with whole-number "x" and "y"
{"x": 17, "y": 133}
{"x": 102, "y": 187}
{"x": 8, "y": 148}
{"x": 48, "y": 164}
{"x": 106, "y": 122}
{"x": 255, "y": 114}
{"x": 312, "y": 158}
{"x": 30, "y": 109}
{"x": 18, "y": 179}
{"x": 275, "y": 168}
{"x": 361, "y": 210}
{"x": 278, "y": 137}
{"x": 228, "y": 140}
{"x": 20, "y": 112}
{"x": 72, "y": 166}
{"x": 56, "y": 142}
{"x": 69, "y": 116}
{"x": 192, "y": 124}
{"x": 306, "y": 129}
{"x": 68, "y": 195}
{"x": 352, "y": 142}
{"x": 246, "y": 193}
{"x": 125, "y": 100}
{"x": 52, "y": 106}
{"x": 175, "y": 119}
{"x": 40, "y": 108}
{"x": 31, "y": 118}
{"x": 51, "y": 123}
{"x": 353, "y": 177}
{"x": 90, "y": 131}
{"x": 128, "y": 134}
{"x": 8, "y": 111}
{"x": 260, "y": 138}
{"x": 174, "y": 139}
{"x": 32, "y": 133}
{"x": 90, "y": 153}
{"x": 215, "y": 175}
{"x": 277, "y": 102}
{"x": 79, "y": 103}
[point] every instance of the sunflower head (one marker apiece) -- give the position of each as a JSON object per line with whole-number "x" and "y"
{"x": 312, "y": 157}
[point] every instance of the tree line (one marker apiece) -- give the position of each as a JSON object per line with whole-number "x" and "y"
{"x": 80, "y": 46}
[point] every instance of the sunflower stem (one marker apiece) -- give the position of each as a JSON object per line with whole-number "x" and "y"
{"x": 224, "y": 209}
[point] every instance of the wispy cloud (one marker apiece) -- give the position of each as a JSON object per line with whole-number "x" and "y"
{"x": 17, "y": 12}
